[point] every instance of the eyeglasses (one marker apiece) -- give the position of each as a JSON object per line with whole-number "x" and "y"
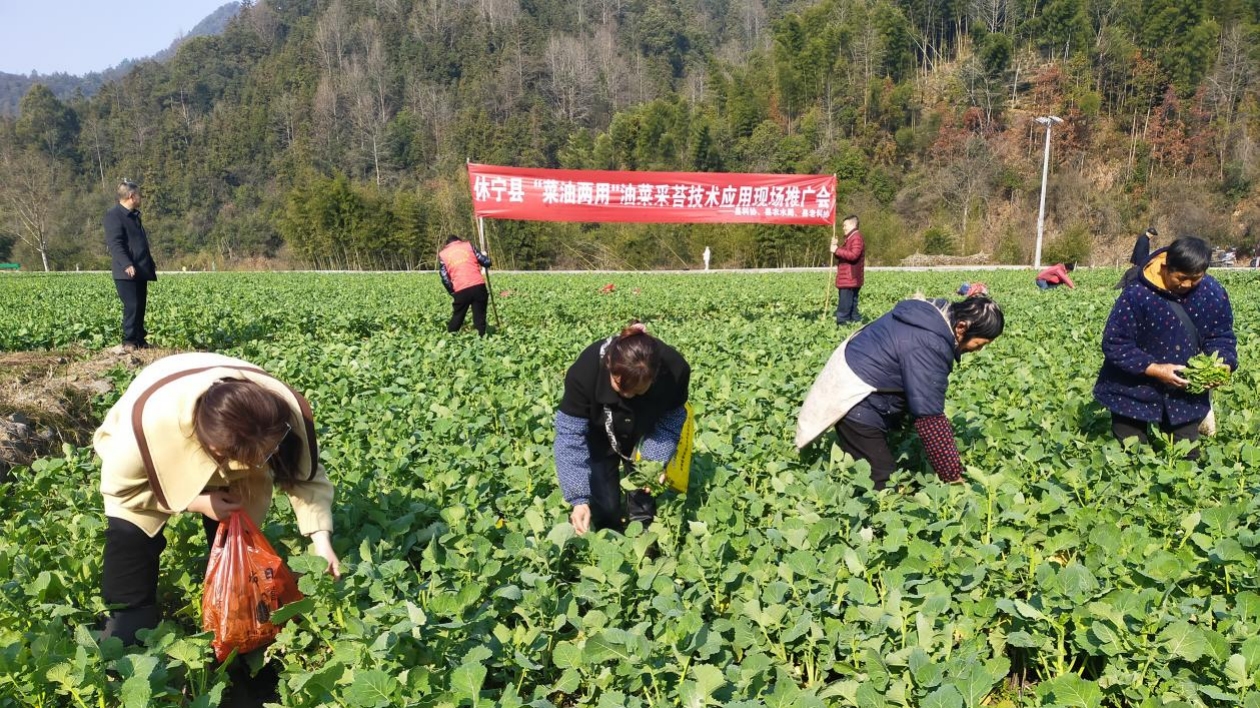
{"x": 287, "y": 429}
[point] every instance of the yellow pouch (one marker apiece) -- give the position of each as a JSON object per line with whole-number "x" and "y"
{"x": 678, "y": 470}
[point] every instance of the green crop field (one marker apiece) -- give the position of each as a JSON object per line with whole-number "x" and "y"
{"x": 1068, "y": 571}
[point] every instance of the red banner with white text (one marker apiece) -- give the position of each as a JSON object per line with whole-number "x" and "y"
{"x": 651, "y": 197}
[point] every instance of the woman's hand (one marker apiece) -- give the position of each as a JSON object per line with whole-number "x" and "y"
{"x": 324, "y": 549}
{"x": 217, "y": 504}
{"x": 581, "y": 518}
{"x": 1168, "y": 374}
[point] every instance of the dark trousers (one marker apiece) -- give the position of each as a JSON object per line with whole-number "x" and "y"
{"x": 607, "y": 510}
{"x": 1124, "y": 427}
{"x": 863, "y": 442}
{"x": 135, "y": 296}
{"x": 846, "y": 308}
{"x": 475, "y": 297}
{"x": 129, "y": 578}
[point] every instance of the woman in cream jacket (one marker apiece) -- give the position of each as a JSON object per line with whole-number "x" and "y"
{"x": 201, "y": 433}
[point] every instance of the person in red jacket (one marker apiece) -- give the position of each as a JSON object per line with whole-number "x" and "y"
{"x": 460, "y": 268}
{"x": 1056, "y": 275}
{"x": 850, "y": 270}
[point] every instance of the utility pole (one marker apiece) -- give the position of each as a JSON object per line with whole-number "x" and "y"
{"x": 1048, "y": 121}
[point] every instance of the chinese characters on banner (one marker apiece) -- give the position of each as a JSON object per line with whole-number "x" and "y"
{"x": 651, "y": 197}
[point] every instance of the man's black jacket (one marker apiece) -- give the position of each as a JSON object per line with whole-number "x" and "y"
{"x": 128, "y": 244}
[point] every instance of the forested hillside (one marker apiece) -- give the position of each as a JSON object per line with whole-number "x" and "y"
{"x": 334, "y": 133}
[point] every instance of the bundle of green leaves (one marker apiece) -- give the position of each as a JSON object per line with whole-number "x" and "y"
{"x": 1205, "y": 372}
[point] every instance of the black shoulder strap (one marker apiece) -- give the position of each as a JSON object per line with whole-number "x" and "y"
{"x": 1187, "y": 324}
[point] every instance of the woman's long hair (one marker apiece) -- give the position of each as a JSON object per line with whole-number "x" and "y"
{"x": 242, "y": 421}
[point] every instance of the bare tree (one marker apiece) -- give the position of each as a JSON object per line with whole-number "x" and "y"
{"x": 94, "y": 137}
{"x": 994, "y": 15}
{"x": 965, "y": 182}
{"x": 434, "y": 106}
{"x": 330, "y": 37}
{"x": 981, "y": 90}
{"x": 571, "y": 77}
{"x": 499, "y": 13}
{"x": 614, "y": 72}
{"x": 754, "y": 17}
{"x": 1232, "y": 78}
{"x": 865, "y": 52}
{"x": 28, "y": 194}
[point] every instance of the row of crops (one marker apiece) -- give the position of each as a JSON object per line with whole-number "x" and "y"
{"x": 1068, "y": 571}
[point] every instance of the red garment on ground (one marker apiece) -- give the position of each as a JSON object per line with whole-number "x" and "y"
{"x": 1056, "y": 274}
{"x": 462, "y": 266}
{"x": 851, "y": 261}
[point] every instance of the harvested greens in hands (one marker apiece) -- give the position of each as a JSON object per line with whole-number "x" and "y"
{"x": 1204, "y": 372}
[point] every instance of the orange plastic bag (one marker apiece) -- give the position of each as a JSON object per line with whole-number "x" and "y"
{"x": 246, "y": 581}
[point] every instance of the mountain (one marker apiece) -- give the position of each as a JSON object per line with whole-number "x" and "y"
{"x": 335, "y": 133}
{"x": 64, "y": 86}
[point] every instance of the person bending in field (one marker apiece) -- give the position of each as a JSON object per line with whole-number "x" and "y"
{"x": 1056, "y": 275}
{"x": 623, "y": 392}
{"x": 460, "y": 265}
{"x": 204, "y": 434}
{"x": 901, "y": 363}
{"x": 1173, "y": 311}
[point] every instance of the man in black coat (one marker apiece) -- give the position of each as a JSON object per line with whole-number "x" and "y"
{"x": 132, "y": 265}
{"x": 1141, "y": 253}
{"x": 1142, "y": 247}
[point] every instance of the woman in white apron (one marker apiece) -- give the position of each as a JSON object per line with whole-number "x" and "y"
{"x": 899, "y": 364}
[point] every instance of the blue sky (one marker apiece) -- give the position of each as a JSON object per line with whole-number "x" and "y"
{"x": 78, "y": 36}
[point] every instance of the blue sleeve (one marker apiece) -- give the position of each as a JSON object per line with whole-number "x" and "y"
{"x": 446, "y": 277}
{"x": 573, "y": 458}
{"x": 1220, "y": 337}
{"x": 1119, "y": 342}
{"x": 482, "y": 258}
{"x": 660, "y": 444}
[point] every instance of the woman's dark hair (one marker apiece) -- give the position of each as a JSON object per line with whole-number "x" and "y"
{"x": 634, "y": 358}
{"x": 1071, "y": 266}
{"x": 1189, "y": 255}
{"x": 983, "y": 317}
{"x": 451, "y": 239}
{"x": 242, "y": 421}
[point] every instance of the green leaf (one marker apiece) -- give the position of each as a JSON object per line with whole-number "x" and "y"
{"x": 943, "y": 697}
{"x": 973, "y": 684}
{"x": 136, "y": 692}
{"x": 212, "y": 698}
{"x": 699, "y": 692}
{"x": 1181, "y": 639}
{"x": 466, "y": 681}
{"x": 302, "y": 607}
{"x": 566, "y": 655}
{"x": 1070, "y": 691}
{"x": 371, "y": 689}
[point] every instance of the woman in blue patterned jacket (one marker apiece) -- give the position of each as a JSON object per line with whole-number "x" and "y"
{"x": 623, "y": 392}
{"x": 1171, "y": 312}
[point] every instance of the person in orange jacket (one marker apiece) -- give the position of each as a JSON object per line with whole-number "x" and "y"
{"x": 460, "y": 265}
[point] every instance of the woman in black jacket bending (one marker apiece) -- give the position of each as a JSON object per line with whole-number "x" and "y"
{"x": 625, "y": 391}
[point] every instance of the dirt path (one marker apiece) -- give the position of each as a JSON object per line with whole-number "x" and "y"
{"x": 47, "y": 398}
